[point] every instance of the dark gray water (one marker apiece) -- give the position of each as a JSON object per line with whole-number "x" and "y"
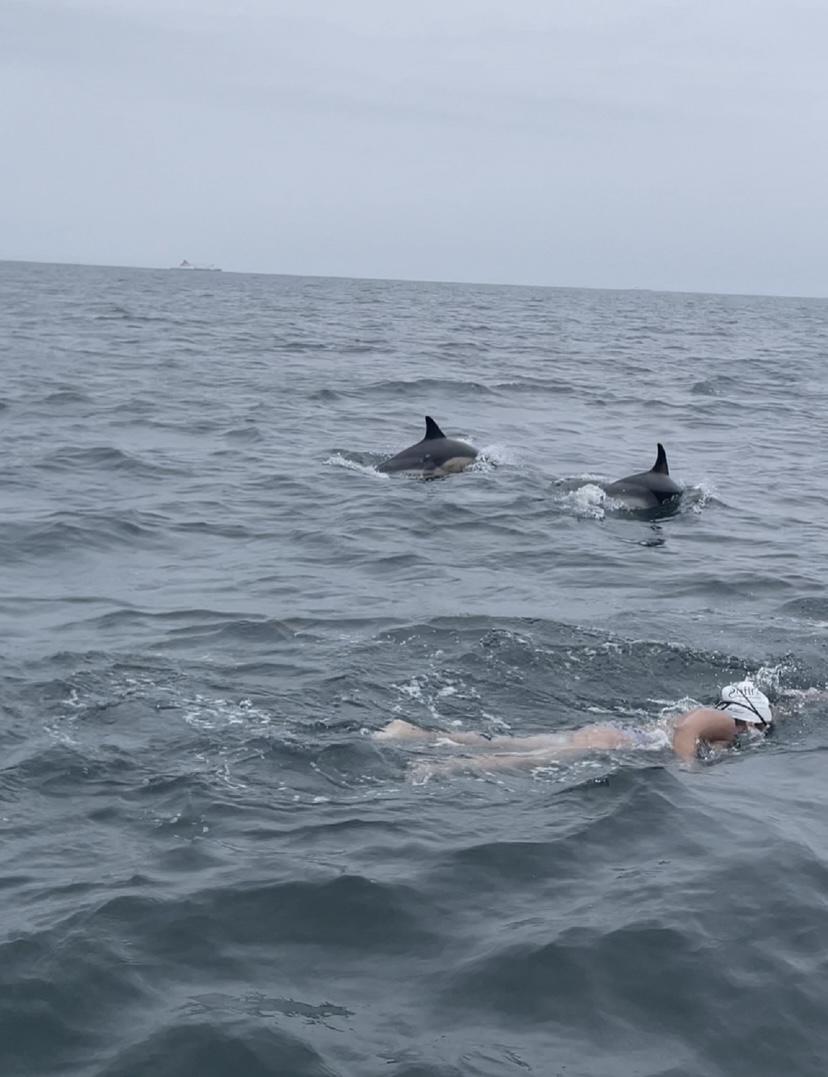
{"x": 209, "y": 598}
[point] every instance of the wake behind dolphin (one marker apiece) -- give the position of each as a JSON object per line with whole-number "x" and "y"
{"x": 647, "y": 489}
{"x": 434, "y": 455}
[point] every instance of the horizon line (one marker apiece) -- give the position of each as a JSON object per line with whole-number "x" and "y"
{"x": 423, "y": 280}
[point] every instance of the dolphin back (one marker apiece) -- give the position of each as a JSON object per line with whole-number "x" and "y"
{"x": 435, "y": 454}
{"x": 646, "y": 489}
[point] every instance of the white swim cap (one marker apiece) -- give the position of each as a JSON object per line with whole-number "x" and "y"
{"x": 745, "y": 703}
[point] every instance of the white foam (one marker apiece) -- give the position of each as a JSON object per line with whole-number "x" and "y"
{"x": 589, "y": 501}
{"x": 203, "y": 713}
{"x": 699, "y": 496}
{"x": 61, "y": 735}
{"x": 770, "y": 677}
{"x": 338, "y": 460}
{"x": 493, "y": 456}
{"x": 497, "y": 723}
{"x": 412, "y": 690}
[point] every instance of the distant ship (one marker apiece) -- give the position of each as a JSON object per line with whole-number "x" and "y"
{"x": 190, "y": 265}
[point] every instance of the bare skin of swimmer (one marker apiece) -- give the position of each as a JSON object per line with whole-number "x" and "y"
{"x": 702, "y": 724}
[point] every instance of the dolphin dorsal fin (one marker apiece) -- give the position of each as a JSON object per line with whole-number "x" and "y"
{"x": 432, "y": 429}
{"x": 660, "y": 466}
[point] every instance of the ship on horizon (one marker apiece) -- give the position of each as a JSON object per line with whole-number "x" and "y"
{"x": 184, "y": 264}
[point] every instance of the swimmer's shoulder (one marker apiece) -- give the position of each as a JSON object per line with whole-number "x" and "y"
{"x": 696, "y": 715}
{"x": 702, "y": 724}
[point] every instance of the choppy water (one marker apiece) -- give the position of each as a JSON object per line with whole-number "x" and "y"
{"x": 209, "y": 597}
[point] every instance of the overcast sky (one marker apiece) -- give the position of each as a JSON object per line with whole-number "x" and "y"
{"x": 676, "y": 144}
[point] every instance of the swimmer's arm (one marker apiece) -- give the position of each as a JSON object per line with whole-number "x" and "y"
{"x": 706, "y": 724}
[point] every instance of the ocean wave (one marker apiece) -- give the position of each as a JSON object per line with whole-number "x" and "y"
{"x": 192, "y": 1046}
{"x": 66, "y": 531}
{"x": 68, "y": 395}
{"x": 423, "y": 387}
{"x": 104, "y": 458}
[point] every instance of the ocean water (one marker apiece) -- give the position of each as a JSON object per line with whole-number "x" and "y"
{"x": 209, "y": 599}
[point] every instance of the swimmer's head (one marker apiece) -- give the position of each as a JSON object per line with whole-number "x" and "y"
{"x": 745, "y": 703}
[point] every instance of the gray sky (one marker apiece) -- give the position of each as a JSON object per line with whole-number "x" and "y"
{"x": 678, "y": 144}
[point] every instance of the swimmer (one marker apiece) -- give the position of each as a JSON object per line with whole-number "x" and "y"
{"x": 742, "y": 710}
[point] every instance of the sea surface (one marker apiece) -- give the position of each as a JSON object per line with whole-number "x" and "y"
{"x": 210, "y": 599}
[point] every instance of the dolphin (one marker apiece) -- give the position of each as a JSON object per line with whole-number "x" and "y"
{"x": 434, "y": 455}
{"x": 648, "y": 489}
